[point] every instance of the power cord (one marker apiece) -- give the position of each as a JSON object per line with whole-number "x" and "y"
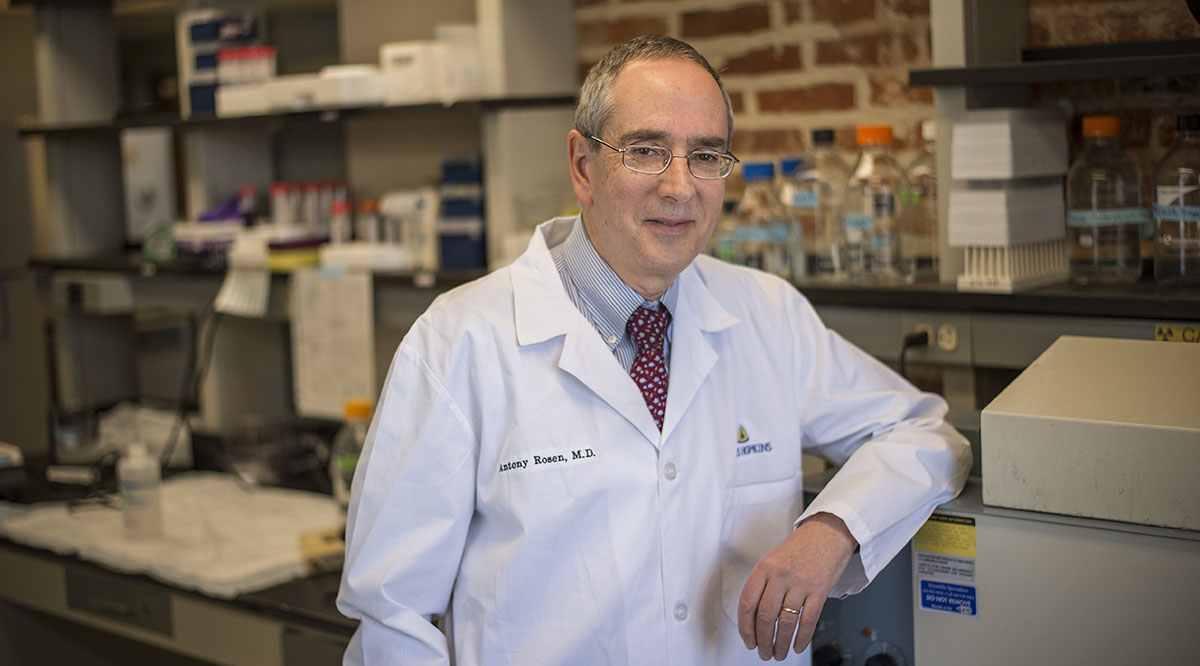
{"x": 193, "y": 378}
{"x": 913, "y": 340}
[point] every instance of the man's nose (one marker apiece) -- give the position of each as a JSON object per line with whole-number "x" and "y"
{"x": 677, "y": 181}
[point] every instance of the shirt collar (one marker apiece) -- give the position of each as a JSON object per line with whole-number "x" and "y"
{"x": 601, "y": 287}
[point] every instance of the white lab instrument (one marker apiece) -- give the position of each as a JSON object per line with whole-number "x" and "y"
{"x": 1101, "y": 428}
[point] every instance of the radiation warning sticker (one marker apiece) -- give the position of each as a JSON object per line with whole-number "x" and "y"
{"x": 944, "y": 548}
{"x": 1177, "y": 332}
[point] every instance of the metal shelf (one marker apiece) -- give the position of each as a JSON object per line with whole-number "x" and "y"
{"x": 1078, "y": 63}
{"x": 308, "y": 115}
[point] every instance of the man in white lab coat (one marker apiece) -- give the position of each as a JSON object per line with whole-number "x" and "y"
{"x": 592, "y": 456}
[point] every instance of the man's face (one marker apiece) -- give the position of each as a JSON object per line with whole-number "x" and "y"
{"x": 650, "y": 227}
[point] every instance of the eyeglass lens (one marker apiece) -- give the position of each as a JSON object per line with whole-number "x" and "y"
{"x": 654, "y": 159}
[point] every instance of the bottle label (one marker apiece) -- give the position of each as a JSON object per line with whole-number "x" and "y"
{"x": 805, "y": 199}
{"x": 775, "y": 233}
{"x": 1177, "y": 213}
{"x": 1108, "y": 218}
{"x": 855, "y": 222}
{"x": 881, "y": 242}
{"x": 1173, "y": 194}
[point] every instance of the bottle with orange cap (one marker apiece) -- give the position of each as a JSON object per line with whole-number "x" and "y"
{"x": 1106, "y": 218}
{"x": 872, "y": 214}
{"x": 347, "y": 446}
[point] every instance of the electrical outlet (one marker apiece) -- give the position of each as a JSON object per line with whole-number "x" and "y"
{"x": 947, "y": 337}
{"x": 927, "y": 329}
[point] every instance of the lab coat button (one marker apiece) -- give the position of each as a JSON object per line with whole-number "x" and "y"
{"x": 680, "y": 612}
{"x": 669, "y": 471}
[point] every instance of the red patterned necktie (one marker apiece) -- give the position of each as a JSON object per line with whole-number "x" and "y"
{"x": 648, "y": 330}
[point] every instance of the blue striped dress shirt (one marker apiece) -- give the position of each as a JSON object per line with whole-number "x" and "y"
{"x": 603, "y": 298}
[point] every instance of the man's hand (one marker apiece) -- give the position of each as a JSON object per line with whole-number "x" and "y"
{"x": 797, "y": 574}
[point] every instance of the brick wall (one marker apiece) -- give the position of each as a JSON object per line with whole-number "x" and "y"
{"x": 790, "y": 66}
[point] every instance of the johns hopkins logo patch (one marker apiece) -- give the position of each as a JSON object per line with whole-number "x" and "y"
{"x": 745, "y": 448}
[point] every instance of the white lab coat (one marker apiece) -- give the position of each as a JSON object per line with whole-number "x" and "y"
{"x": 513, "y": 471}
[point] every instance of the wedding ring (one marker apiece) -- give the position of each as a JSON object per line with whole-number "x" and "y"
{"x": 793, "y": 611}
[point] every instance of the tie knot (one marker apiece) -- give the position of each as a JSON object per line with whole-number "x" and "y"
{"x": 648, "y": 328}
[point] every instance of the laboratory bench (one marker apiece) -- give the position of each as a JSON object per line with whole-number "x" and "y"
{"x": 49, "y": 597}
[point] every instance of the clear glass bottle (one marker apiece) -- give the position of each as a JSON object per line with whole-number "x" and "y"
{"x": 347, "y": 446}
{"x": 919, "y": 236}
{"x": 761, "y": 236}
{"x": 785, "y": 191}
{"x": 814, "y": 197}
{"x": 871, "y": 221}
{"x": 1105, "y": 215}
{"x": 1177, "y": 208}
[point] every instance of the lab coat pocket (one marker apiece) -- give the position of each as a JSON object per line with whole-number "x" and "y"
{"x": 758, "y": 517}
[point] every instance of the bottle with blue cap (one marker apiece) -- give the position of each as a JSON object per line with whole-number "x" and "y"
{"x": 813, "y": 194}
{"x": 761, "y": 236}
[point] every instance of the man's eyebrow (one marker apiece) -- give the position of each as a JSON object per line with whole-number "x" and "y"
{"x": 641, "y": 136}
{"x": 648, "y": 135}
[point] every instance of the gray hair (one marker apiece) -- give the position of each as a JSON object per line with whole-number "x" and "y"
{"x": 596, "y": 103}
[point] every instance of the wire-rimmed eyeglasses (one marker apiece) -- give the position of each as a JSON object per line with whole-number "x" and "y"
{"x": 651, "y": 159}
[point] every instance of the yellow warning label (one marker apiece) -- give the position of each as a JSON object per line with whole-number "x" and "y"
{"x": 948, "y": 535}
{"x": 1177, "y": 332}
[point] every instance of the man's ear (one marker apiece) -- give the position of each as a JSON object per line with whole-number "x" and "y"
{"x": 580, "y": 159}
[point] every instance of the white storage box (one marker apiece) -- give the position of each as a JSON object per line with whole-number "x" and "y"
{"x": 411, "y": 72}
{"x": 360, "y": 255}
{"x": 460, "y": 61}
{"x": 294, "y": 92}
{"x": 349, "y": 85}
{"x": 1005, "y": 213}
{"x": 242, "y": 100}
{"x": 1008, "y": 143}
{"x": 1099, "y": 428}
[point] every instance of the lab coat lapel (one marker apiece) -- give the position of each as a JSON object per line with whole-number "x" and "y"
{"x": 692, "y": 357}
{"x": 543, "y": 311}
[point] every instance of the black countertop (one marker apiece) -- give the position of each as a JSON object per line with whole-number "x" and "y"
{"x": 1142, "y": 300}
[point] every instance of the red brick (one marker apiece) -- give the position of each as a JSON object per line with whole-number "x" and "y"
{"x": 600, "y": 33}
{"x": 1087, "y": 27}
{"x": 878, "y": 48}
{"x": 769, "y": 141}
{"x": 792, "y": 12}
{"x": 908, "y": 7}
{"x": 769, "y": 59}
{"x": 742, "y": 19}
{"x": 890, "y": 88}
{"x": 820, "y": 97}
{"x": 737, "y": 100}
{"x": 840, "y": 12}
{"x": 1039, "y": 33}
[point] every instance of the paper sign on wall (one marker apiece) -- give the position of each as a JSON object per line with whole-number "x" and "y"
{"x": 333, "y": 340}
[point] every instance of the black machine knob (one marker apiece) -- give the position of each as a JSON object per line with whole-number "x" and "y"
{"x": 827, "y": 655}
{"x": 880, "y": 660}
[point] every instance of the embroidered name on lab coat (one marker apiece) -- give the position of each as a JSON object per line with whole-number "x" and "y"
{"x": 548, "y": 459}
{"x": 749, "y": 449}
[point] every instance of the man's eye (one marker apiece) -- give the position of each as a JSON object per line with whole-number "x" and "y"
{"x": 703, "y": 156}
{"x": 642, "y": 151}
